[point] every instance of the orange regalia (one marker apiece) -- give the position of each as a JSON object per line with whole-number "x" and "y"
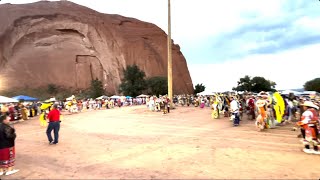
{"x": 260, "y": 121}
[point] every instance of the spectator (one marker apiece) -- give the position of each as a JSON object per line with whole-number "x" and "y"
{"x": 54, "y": 125}
{"x": 7, "y": 148}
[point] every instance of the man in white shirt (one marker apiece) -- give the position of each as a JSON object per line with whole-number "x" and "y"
{"x": 234, "y": 107}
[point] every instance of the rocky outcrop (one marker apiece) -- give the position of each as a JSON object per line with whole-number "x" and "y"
{"x": 68, "y": 45}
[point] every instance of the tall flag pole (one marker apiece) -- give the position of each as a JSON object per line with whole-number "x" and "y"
{"x": 169, "y": 55}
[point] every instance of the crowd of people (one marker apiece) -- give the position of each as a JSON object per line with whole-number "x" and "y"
{"x": 26, "y": 110}
{"x": 49, "y": 113}
{"x": 267, "y": 109}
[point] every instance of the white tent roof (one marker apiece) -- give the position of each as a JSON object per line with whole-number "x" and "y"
{"x": 102, "y": 97}
{"x": 206, "y": 93}
{"x": 4, "y": 99}
{"x": 309, "y": 92}
{"x": 115, "y": 97}
{"x": 143, "y": 96}
{"x": 286, "y": 92}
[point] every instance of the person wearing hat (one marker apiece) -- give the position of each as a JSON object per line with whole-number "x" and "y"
{"x": 234, "y": 107}
{"x": 261, "y": 104}
{"x": 308, "y": 123}
{"x": 7, "y": 146}
{"x": 251, "y": 107}
{"x": 54, "y": 125}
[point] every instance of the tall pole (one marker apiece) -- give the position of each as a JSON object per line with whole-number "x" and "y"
{"x": 169, "y": 55}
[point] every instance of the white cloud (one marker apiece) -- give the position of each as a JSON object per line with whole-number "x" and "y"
{"x": 290, "y": 69}
{"x": 196, "y": 20}
{"x": 191, "y": 19}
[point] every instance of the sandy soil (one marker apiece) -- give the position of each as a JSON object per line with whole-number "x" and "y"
{"x": 131, "y": 142}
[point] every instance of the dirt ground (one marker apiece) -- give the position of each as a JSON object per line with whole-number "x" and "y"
{"x": 132, "y": 142}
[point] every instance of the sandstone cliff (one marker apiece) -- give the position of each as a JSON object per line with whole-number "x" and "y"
{"x": 67, "y": 44}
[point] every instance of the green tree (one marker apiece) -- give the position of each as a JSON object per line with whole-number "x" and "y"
{"x": 52, "y": 89}
{"x": 244, "y": 84}
{"x": 133, "y": 82}
{"x": 199, "y": 88}
{"x": 255, "y": 84}
{"x": 96, "y": 88}
{"x": 312, "y": 85}
{"x": 262, "y": 84}
{"x": 157, "y": 85}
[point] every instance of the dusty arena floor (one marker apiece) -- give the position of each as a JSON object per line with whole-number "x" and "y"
{"x": 131, "y": 142}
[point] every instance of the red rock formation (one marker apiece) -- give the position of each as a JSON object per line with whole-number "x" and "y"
{"x": 67, "y": 44}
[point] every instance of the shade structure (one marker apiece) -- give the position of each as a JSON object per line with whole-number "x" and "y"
{"x": 70, "y": 98}
{"x": 287, "y": 92}
{"x": 25, "y": 98}
{"x": 102, "y": 97}
{"x": 4, "y": 99}
{"x": 142, "y": 96}
{"x": 206, "y": 93}
{"x": 115, "y": 97}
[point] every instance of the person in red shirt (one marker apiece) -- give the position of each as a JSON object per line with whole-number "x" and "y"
{"x": 54, "y": 124}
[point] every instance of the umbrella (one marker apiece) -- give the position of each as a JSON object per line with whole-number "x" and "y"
{"x": 25, "y": 98}
{"x": 128, "y": 97}
{"x": 4, "y": 99}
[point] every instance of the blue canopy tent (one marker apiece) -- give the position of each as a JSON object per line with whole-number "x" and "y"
{"x": 25, "y": 98}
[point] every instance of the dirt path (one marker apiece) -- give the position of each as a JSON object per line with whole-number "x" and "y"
{"x": 135, "y": 143}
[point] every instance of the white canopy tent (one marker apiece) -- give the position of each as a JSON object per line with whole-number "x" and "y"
{"x": 142, "y": 96}
{"x": 115, "y": 97}
{"x": 287, "y": 92}
{"x": 4, "y": 99}
{"x": 70, "y": 98}
{"x": 310, "y": 92}
{"x": 206, "y": 93}
{"x": 102, "y": 97}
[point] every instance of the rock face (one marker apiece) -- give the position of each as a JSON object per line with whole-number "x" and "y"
{"x": 68, "y": 45}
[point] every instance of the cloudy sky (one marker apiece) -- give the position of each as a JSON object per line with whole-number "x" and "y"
{"x": 224, "y": 40}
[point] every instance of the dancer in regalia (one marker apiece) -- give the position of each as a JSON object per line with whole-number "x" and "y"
{"x": 215, "y": 108}
{"x": 234, "y": 109}
{"x": 262, "y": 110}
{"x": 202, "y": 103}
{"x": 309, "y": 121}
{"x": 270, "y": 113}
{"x": 188, "y": 100}
{"x": 226, "y": 106}
{"x": 151, "y": 104}
{"x": 251, "y": 108}
{"x": 45, "y": 108}
{"x": 196, "y": 102}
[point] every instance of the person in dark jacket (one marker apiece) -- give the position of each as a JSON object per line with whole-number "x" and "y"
{"x": 7, "y": 150}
